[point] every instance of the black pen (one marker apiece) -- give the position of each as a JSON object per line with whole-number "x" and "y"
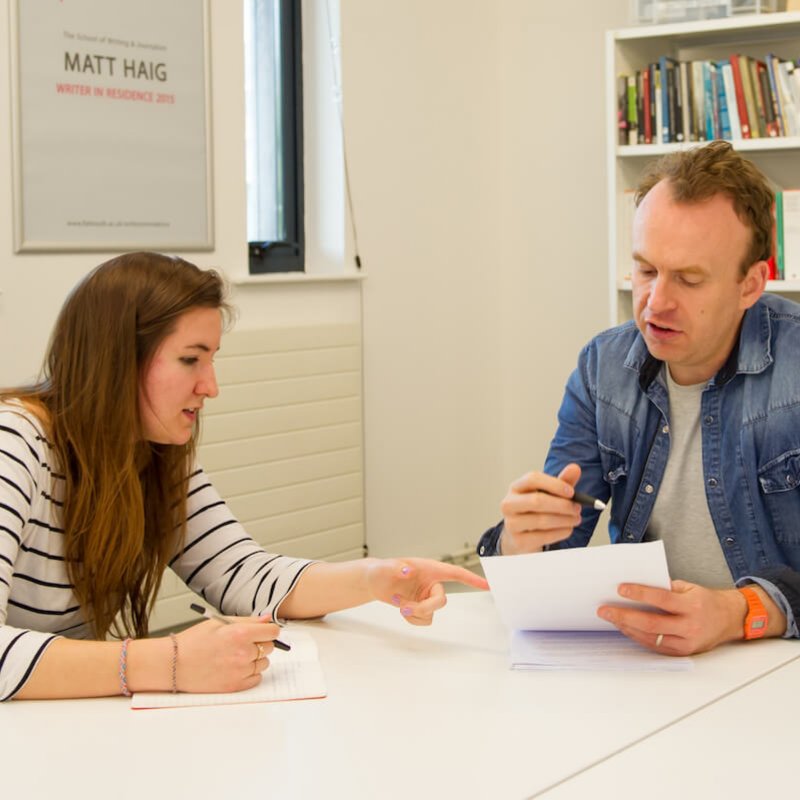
{"x": 588, "y": 501}
{"x": 208, "y": 614}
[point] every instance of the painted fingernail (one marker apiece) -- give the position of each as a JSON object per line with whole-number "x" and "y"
{"x": 406, "y": 612}
{"x": 396, "y": 599}
{"x": 405, "y": 570}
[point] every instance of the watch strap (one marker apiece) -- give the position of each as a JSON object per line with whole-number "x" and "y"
{"x": 755, "y": 622}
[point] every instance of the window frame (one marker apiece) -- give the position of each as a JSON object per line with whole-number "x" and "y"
{"x": 288, "y": 255}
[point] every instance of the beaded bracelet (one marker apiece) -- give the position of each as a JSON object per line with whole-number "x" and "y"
{"x": 174, "y": 640}
{"x": 123, "y": 668}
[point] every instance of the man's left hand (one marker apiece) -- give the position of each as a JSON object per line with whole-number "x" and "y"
{"x": 690, "y": 618}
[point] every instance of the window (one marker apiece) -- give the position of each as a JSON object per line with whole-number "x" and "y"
{"x": 274, "y": 135}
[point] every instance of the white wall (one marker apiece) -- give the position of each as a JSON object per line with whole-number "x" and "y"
{"x": 554, "y": 206}
{"x": 475, "y": 140}
{"x": 477, "y": 160}
{"x": 417, "y": 76}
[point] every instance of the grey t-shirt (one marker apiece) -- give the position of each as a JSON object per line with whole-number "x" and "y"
{"x": 680, "y": 516}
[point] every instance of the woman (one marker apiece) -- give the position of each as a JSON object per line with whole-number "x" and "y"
{"x": 99, "y": 493}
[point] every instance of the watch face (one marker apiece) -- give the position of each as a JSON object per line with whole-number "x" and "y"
{"x": 756, "y": 627}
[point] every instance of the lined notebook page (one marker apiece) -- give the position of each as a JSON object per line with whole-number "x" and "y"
{"x": 295, "y": 675}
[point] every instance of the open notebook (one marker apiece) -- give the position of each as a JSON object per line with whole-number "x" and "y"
{"x": 295, "y": 675}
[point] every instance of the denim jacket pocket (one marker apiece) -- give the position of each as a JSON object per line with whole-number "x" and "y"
{"x": 779, "y": 480}
{"x": 615, "y": 465}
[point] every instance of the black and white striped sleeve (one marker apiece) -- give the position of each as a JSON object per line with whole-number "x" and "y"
{"x": 20, "y": 648}
{"x": 223, "y": 564}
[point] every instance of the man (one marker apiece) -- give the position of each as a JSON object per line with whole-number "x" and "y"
{"x": 687, "y": 417}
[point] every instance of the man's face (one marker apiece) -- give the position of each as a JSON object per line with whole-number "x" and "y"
{"x": 688, "y": 295}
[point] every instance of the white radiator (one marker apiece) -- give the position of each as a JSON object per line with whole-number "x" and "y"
{"x": 283, "y": 446}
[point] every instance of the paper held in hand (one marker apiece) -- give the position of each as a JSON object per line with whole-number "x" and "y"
{"x": 561, "y": 590}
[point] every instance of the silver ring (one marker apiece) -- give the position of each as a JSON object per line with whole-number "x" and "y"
{"x": 659, "y": 639}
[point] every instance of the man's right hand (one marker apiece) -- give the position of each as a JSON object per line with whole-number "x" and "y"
{"x": 538, "y": 511}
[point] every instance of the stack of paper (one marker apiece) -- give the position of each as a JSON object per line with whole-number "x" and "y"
{"x": 550, "y": 601}
{"x": 589, "y": 650}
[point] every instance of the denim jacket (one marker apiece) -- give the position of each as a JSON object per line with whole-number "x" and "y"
{"x": 614, "y": 423}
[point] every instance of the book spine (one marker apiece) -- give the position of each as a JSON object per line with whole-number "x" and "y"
{"x": 758, "y": 93}
{"x": 622, "y": 109}
{"x": 677, "y": 103}
{"x": 633, "y": 132}
{"x": 698, "y": 97}
{"x": 639, "y": 107}
{"x": 766, "y": 97}
{"x": 749, "y": 98}
{"x": 791, "y": 234}
{"x": 665, "y": 108}
{"x": 659, "y": 96}
{"x": 783, "y": 79}
{"x": 776, "y": 99}
{"x": 646, "y": 107}
{"x": 716, "y": 122}
{"x": 724, "y": 131}
{"x": 708, "y": 102}
{"x": 741, "y": 103}
{"x": 729, "y": 90}
{"x": 795, "y": 81}
{"x": 652, "y": 69}
{"x": 772, "y": 264}
{"x": 686, "y": 101}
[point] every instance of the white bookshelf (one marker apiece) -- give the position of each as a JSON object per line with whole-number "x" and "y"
{"x": 630, "y": 49}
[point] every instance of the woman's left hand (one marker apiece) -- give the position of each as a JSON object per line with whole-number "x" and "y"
{"x": 414, "y": 585}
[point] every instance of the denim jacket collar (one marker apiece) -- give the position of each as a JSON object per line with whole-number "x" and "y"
{"x": 751, "y": 353}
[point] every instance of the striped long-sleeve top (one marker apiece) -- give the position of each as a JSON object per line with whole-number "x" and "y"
{"x": 217, "y": 559}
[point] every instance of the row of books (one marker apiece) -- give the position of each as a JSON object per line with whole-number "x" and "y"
{"x": 739, "y": 97}
{"x": 785, "y": 261}
{"x": 785, "y": 264}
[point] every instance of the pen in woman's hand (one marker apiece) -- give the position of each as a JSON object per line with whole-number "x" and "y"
{"x": 209, "y": 614}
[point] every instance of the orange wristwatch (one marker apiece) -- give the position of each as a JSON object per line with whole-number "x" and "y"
{"x": 755, "y": 623}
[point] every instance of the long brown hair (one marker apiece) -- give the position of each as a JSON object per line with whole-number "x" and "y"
{"x": 125, "y": 498}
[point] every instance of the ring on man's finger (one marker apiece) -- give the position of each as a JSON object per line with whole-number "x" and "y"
{"x": 659, "y": 639}
{"x": 260, "y": 653}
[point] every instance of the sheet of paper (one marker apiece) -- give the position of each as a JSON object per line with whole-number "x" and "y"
{"x": 295, "y": 675}
{"x": 587, "y": 650}
{"x": 561, "y": 590}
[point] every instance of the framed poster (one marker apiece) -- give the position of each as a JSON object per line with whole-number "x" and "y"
{"x": 111, "y": 125}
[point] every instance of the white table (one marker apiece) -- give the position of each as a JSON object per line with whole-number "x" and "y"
{"x": 411, "y": 712}
{"x": 744, "y": 745}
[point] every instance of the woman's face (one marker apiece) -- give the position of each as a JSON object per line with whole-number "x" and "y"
{"x": 180, "y": 377}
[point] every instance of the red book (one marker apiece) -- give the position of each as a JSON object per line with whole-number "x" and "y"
{"x": 741, "y": 105}
{"x": 648, "y": 128}
{"x": 772, "y": 271}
